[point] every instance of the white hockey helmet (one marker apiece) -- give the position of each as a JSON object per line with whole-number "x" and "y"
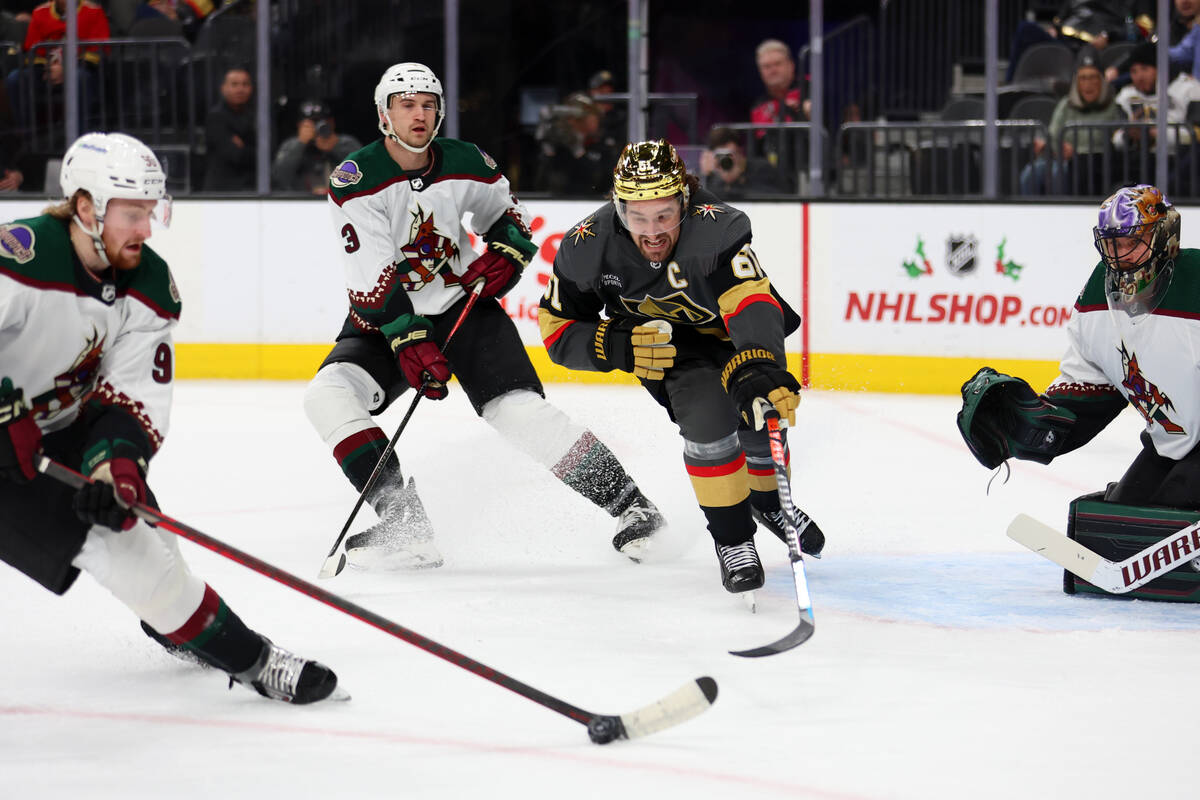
{"x": 111, "y": 166}
{"x": 407, "y": 78}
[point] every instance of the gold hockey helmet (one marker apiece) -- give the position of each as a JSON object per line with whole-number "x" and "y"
{"x": 648, "y": 170}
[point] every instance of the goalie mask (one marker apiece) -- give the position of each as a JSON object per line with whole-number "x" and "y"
{"x": 110, "y": 166}
{"x": 408, "y": 78}
{"x": 649, "y": 171}
{"x": 1137, "y": 235}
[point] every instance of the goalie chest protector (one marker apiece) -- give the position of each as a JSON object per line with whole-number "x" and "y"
{"x": 1117, "y": 532}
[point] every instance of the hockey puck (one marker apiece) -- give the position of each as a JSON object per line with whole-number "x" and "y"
{"x": 603, "y": 730}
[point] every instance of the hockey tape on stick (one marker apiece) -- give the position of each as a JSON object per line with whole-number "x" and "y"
{"x": 691, "y": 699}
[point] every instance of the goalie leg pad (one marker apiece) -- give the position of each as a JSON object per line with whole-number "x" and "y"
{"x": 144, "y": 569}
{"x": 1117, "y": 531}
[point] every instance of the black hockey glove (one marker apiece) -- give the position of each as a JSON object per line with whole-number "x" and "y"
{"x": 641, "y": 347}
{"x": 754, "y": 374}
{"x": 20, "y": 436}
{"x": 1002, "y": 417}
{"x": 116, "y": 485}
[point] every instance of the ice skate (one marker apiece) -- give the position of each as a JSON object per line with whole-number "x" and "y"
{"x": 741, "y": 571}
{"x": 636, "y": 528}
{"x": 281, "y": 675}
{"x": 403, "y": 537}
{"x": 812, "y": 540}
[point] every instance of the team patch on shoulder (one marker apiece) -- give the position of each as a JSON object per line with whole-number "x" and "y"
{"x": 172, "y": 288}
{"x": 16, "y": 242}
{"x": 491, "y": 162}
{"x": 345, "y": 174}
{"x": 709, "y": 210}
{"x": 583, "y": 230}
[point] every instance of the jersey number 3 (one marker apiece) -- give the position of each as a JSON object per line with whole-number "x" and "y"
{"x": 351, "y": 237}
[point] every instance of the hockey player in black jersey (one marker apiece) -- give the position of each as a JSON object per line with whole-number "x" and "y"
{"x": 690, "y": 312}
{"x": 397, "y": 207}
{"x": 87, "y": 311}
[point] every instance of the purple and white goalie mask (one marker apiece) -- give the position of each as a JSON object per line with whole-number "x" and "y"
{"x": 1137, "y": 234}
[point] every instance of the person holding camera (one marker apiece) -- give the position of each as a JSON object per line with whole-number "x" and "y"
{"x": 303, "y": 162}
{"x": 726, "y": 171}
{"x": 1139, "y": 100}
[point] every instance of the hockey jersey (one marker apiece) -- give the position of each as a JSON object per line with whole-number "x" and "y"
{"x": 404, "y": 245}
{"x": 1152, "y": 363}
{"x": 76, "y": 343}
{"x": 712, "y": 288}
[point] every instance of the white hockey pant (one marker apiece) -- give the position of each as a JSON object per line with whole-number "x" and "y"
{"x": 144, "y": 569}
{"x": 338, "y": 401}
{"x": 533, "y": 426}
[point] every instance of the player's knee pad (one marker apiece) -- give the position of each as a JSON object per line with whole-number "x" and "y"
{"x": 341, "y": 395}
{"x": 533, "y": 425}
{"x": 144, "y": 569}
{"x": 1117, "y": 531}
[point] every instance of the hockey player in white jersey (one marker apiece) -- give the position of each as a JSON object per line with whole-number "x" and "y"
{"x": 398, "y": 207}
{"x": 1132, "y": 340}
{"x": 86, "y": 373}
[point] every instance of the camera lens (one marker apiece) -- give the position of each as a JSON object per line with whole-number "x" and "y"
{"x": 323, "y": 129}
{"x": 725, "y": 161}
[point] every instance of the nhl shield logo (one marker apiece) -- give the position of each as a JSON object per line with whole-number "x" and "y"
{"x": 960, "y": 254}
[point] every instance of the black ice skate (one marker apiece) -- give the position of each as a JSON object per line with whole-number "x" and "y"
{"x": 812, "y": 540}
{"x": 636, "y": 527}
{"x": 741, "y": 571}
{"x": 403, "y": 537}
{"x": 281, "y": 675}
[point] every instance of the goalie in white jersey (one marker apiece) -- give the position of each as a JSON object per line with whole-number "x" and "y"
{"x": 86, "y": 372}
{"x": 397, "y": 207}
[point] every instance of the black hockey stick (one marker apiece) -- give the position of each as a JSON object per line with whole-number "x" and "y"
{"x": 335, "y": 562}
{"x": 683, "y": 704}
{"x": 807, "y": 625}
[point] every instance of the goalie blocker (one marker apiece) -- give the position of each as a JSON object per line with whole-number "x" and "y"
{"x": 1116, "y": 532}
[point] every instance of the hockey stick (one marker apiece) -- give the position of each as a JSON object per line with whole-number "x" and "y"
{"x": 335, "y": 561}
{"x": 807, "y": 625}
{"x": 1113, "y": 577}
{"x": 683, "y": 704}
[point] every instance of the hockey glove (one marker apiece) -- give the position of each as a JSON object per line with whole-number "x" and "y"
{"x": 116, "y": 485}
{"x": 754, "y": 373}
{"x": 499, "y": 269}
{"x": 20, "y": 436}
{"x": 420, "y": 359}
{"x": 643, "y": 348}
{"x": 1003, "y": 417}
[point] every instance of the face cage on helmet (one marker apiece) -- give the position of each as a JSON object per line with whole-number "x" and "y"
{"x": 622, "y": 214}
{"x": 1138, "y": 290}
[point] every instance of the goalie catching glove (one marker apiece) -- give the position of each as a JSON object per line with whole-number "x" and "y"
{"x": 1003, "y": 417}
{"x": 754, "y": 373}
{"x": 420, "y": 359}
{"x": 643, "y": 348}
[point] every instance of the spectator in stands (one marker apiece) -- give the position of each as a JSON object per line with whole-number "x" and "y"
{"x": 1085, "y": 22}
{"x": 303, "y": 162}
{"x": 1139, "y": 102}
{"x": 785, "y": 100}
{"x": 230, "y": 136}
{"x": 47, "y": 24}
{"x": 727, "y": 172}
{"x": 179, "y": 10}
{"x": 11, "y": 176}
{"x": 1091, "y": 99}
{"x": 574, "y": 158}
{"x": 1186, "y": 53}
{"x": 614, "y": 119}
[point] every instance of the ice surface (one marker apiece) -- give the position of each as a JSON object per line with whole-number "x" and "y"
{"x": 947, "y": 663}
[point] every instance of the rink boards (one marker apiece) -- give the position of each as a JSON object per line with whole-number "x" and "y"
{"x": 895, "y": 297}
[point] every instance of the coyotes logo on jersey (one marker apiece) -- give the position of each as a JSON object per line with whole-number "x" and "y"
{"x": 427, "y": 253}
{"x": 1151, "y": 403}
{"x": 75, "y": 383}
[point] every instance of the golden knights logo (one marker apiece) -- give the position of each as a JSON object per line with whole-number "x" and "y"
{"x": 677, "y": 307}
{"x": 1145, "y": 396}
{"x": 75, "y": 383}
{"x": 426, "y": 254}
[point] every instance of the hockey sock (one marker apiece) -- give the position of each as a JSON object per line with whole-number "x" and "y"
{"x": 358, "y": 454}
{"x": 722, "y": 486}
{"x": 218, "y": 636}
{"x": 591, "y": 469}
{"x": 760, "y": 468}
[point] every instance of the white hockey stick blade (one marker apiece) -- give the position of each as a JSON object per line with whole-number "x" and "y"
{"x": 1115, "y": 578}
{"x": 690, "y": 700}
{"x": 334, "y": 563}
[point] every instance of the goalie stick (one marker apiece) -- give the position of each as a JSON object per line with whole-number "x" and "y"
{"x": 684, "y": 703}
{"x": 1113, "y": 577}
{"x": 335, "y": 561}
{"x": 807, "y": 626}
